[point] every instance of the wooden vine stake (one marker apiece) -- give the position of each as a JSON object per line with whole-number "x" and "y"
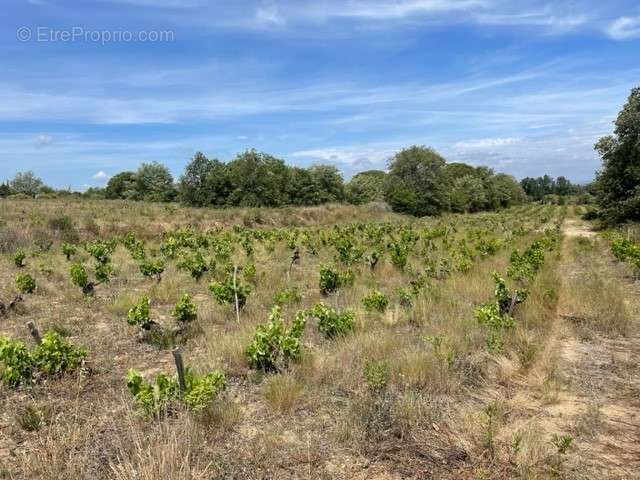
{"x": 33, "y": 330}
{"x": 177, "y": 357}
{"x": 514, "y": 299}
{"x": 235, "y": 292}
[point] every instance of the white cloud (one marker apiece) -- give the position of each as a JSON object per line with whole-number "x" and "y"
{"x": 402, "y": 9}
{"x": 624, "y": 28}
{"x": 360, "y": 156}
{"x": 101, "y": 175}
{"x": 269, "y": 14}
{"x": 485, "y": 143}
{"x": 43, "y": 140}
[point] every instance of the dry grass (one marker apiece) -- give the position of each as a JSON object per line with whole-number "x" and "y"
{"x": 317, "y": 418}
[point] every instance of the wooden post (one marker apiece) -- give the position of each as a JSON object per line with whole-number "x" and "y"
{"x": 513, "y": 303}
{"x": 34, "y": 331}
{"x": 235, "y": 293}
{"x": 177, "y": 357}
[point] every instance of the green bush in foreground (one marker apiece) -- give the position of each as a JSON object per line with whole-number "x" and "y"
{"x": 139, "y": 314}
{"x": 376, "y": 301}
{"x": 54, "y": 356}
{"x": 331, "y": 279}
{"x": 185, "y": 310}
{"x": 68, "y": 250}
{"x": 15, "y": 362}
{"x": 154, "y": 397}
{"x": 274, "y": 345}
{"x": 331, "y": 323}
{"x": 25, "y": 283}
{"x": 225, "y": 292}
{"x": 19, "y": 257}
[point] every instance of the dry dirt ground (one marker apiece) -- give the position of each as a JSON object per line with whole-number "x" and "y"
{"x": 588, "y": 388}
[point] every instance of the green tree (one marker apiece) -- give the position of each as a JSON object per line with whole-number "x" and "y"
{"x": 257, "y": 180}
{"x": 366, "y": 187}
{"x": 563, "y": 186}
{"x": 468, "y": 194}
{"x": 417, "y": 183}
{"x": 328, "y": 184}
{"x": 26, "y": 183}
{"x": 154, "y": 183}
{"x": 618, "y": 182}
{"x": 5, "y": 190}
{"x": 507, "y": 191}
{"x": 300, "y": 187}
{"x": 122, "y": 185}
{"x": 458, "y": 170}
{"x": 205, "y": 182}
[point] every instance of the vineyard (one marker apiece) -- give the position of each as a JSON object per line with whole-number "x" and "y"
{"x": 147, "y": 341}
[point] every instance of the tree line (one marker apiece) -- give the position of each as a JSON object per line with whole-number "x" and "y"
{"x": 617, "y": 184}
{"x": 419, "y": 181}
{"x": 540, "y": 187}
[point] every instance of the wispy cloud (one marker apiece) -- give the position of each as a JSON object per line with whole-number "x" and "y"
{"x": 624, "y": 28}
{"x": 43, "y": 140}
{"x": 362, "y": 156}
{"x": 485, "y": 143}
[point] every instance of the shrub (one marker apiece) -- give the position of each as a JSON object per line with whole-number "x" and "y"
{"x": 287, "y": 296}
{"x": 331, "y": 279}
{"x": 200, "y": 390}
{"x": 153, "y": 397}
{"x": 399, "y": 254}
{"x": 25, "y": 283}
{"x": 135, "y": 246}
{"x": 100, "y": 250}
{"x": 68, "y": 250}
{"x": 152, "y": 268}
{"x": 376, "y": 376}
{"x": 348, "y": 251}
{"x": 18, "y": 258}
{"x": 185, "y": 310}
{"x": 102, "y": 272}
{"x": 376, "y": 301}
{"x": 139, "y": 314}
{"x": 80, "y": 278}
{"x": 274, "y": 345}
{"x": 562, "y": 442}
{"x": 225, "y": 292}
{"x": 496, "y": 315}
{"x": 249, "y": 272}
{"x": 194, "y": 264}
{"x": 56, "y": 356}
{"x": 16, "y": 362}
{"x": 331, "y": 323}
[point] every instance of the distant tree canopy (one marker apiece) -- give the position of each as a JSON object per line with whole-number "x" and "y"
{"x": 26, "y": 183}
{"x": 366, "y": 187}
{"x": 154, "y": 182}
{"x": 122, "y": 185}
{"x": 538, "y": 188}
{"x": 419, "y": 182}
{"x": 255, "y": 179}
{"x": 618, "y": 183}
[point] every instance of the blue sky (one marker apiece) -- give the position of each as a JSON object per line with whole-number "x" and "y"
{"x": 525, "y": 87}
